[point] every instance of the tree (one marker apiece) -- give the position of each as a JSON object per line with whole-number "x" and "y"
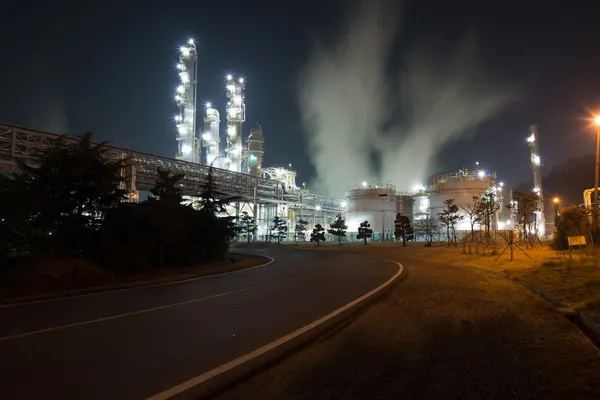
{"x": 525, "y": 206}
{"x": 338, "y": 228}
{"x": 485, "y": 211}
{"x": 167, "y": 187}
{"x": 63, "y": 195}
{"x": 364, "y": 231}
{"x": 471, "y": 210}
{"x": 449, "y": 217}
{"x": 279, "y": 228}
{"x": 247, "y": 225}
{"x": 403, "y": 229}
{"x": 318, "y": 234}
{"x": 301, "y": 230}
{"x": 427, "y": 228}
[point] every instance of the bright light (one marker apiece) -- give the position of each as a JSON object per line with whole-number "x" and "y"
{"x": 180, "y": 67}
{"x": 508, "y": 222}
{"x": 535, "y": 159}
{"x": 536, "y": 190}
{"x": 237, "y": 99}
{"x": 208, "y": 105}
{"x": 531, "y": 138}
{"x": 555, "y": 200}
{"x": 182, "y": 129}
{"x": 231, "y": 88}
{"x": 501, "y": 184}
{"x": 229, "y": 77}
{"x": 178, "y": 98}
{"x": 177, "y": 118}
{"x": 205, "y": 136}
{"x": 241, "y": 80}
{"x": 344, "y": 204}
{"x": 481, "y": 174}
{"x": 364, "y": 184}
{"x": 185, "y": 51}
{"x": 290, "y": 165}
{"x": 180, "y": 89}
{"x": 186, "y": 149}
{"x": 191, "y": 41}
{"x": 476, "y": 162}
{"x": 231, "y": 131}
{"x": 597, "y": 120}
{"x": 184, "y": 77}
{"x": 317, "y": 208}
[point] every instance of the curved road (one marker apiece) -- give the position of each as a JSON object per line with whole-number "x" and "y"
{"x": 133, "y": 344}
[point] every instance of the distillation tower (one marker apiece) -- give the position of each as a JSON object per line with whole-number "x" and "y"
{"x": 236, "y": 115}
{"x": 536, "y": 168}
{"x": 256, "y": 150}
{"x": 188, "y": 145}
{"x": 211, "y": 137}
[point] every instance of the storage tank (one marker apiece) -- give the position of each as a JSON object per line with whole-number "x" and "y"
{"x": 371, "y": 201}
{"x": 460, "y": 186}
{"x": 405, "y": 204}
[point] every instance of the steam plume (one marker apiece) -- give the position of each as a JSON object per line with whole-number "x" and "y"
{"x": 353, "y": 109}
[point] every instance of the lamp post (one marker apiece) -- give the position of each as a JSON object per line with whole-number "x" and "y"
{"x": 597, "y": 171}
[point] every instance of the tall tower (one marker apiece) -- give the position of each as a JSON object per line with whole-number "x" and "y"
{"x": 188, "y": 145}
{"x": 211, "y": 137}
{"x": 236, "y": 115}
{"x": 256, "y": 149}
{"x": 536, "y": 168}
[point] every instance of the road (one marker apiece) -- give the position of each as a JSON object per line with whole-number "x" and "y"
{"x": 135, "y": 343}
{"x": 445, "y": 332}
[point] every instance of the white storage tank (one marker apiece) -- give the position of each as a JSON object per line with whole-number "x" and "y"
{"x": 460, "y": 186}
{"x": 371, "y": 201}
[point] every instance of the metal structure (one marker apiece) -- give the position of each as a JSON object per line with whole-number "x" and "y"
{"x": 262, "y": 196}
{"x": 236, "y": 115}
{"x": 188, "y": 147}
{"x": 211, "y": 137}
{"x": 256, "y": 150}
{"x": 536, "y": 168}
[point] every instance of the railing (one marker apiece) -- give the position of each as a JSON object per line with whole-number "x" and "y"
{"x": 371, "y": 185}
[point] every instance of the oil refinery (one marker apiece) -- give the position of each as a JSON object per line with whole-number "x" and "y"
{"x": 375, "y": 202}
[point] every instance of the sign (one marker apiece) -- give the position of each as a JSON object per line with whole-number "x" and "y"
{"x": 576, "y": 241}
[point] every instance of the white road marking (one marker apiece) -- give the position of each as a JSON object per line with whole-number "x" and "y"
{"x": 271, "y": 260}
{"x": 182, "y": 387}
{"x": 93, "y": 321}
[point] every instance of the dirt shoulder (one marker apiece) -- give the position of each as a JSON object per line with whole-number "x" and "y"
{"x": 443, "y": 333}
{"x": 85, "y": 279}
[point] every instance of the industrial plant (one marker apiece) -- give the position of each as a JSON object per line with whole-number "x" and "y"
{"x": 375, "y": 202}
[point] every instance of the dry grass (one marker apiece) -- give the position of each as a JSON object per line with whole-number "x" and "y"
{"x": 574, "y": 280}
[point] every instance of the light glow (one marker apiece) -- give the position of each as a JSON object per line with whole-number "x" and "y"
{"x": 555, "y": 200}
{"x": 184, "y": 77}
{"x": 229, "y": 77}
{"x": 364, "y": 184}
{"x": 344, "y": 204}
{"x": 180, "y": 89}
{"x": 205, "y": 136}
{"x": 241, "y": 80}
{"x": 531, "y": 138}
{"x": 185, "y": 51}
{"x": 208, "y": 105}
{"x": 231, "y": 88}
{"x": 501, "y": 184}
{"x": 191, "y": 41}
{"x": 317, "y": 207}
{"x": 186, "y": 149}
{"x": 481, "y": 174}
{"x": 535, "y": 159}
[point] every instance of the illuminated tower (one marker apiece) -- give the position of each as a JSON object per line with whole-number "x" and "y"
{"x": 188, "y": 145}
{"x": 211, "y": 137}
{"x": 236, "y": 115}
{"x": 256, "y": 149}
{"x": 536, "y": 168}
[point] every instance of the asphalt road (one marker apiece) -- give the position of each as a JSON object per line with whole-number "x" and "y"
{"x": 444, "y": 333}
{"x": 135, "y": 343}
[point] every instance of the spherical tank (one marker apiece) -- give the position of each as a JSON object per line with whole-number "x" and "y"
{"x": 461, "y": 187}
{"x": 373, "y": 202}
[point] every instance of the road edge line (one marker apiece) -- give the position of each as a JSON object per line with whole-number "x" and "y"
{"x": 109, "y": 291}
{"x": 298, "y": 334}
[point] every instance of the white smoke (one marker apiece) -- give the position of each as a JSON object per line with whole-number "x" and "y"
{"x": 353, "y": 109}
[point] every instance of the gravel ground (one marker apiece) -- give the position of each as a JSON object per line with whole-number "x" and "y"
{"x": 443, "y": 333}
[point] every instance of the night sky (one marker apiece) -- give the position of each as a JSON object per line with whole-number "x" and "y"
{"x": 109, "y": 68}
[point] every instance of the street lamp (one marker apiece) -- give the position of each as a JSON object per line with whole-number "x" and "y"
{"x": 595, "y": 204}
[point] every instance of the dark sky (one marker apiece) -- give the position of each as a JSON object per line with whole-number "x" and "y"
{"x": 108, "y": 67}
